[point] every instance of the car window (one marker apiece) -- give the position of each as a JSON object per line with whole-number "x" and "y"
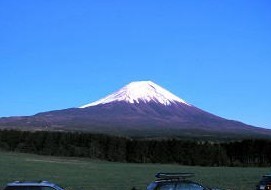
{"x": 47, "y": 188}
{"x": 189, "y": 186}
{"x": 167, "y": 186}
{"x": 23, "y": 188}
{"x": 34, "y": 188}
{"x": 15, "y": 188}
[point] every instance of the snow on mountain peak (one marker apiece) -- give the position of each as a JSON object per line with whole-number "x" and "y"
{"x": 140, "y": 91}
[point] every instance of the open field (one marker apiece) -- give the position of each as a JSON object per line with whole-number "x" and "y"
{"x": 77, "y": 173}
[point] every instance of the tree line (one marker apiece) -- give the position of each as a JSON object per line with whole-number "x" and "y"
{"x": 253, "y": 152}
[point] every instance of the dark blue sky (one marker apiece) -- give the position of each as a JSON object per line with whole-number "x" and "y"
{"x": 214, "y": 54}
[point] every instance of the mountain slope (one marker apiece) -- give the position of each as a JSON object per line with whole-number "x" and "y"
{"x": 139, "y": 109}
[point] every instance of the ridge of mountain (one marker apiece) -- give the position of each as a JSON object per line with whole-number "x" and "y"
{"x": 142, "y": 109}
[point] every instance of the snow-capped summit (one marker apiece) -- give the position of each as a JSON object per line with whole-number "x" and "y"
{"x": 140, "y": 91}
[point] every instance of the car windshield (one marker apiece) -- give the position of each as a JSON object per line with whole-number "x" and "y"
{"x": 266, "y": 178}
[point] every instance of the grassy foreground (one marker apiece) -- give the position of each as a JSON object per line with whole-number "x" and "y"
{"x": 77, "y": 173}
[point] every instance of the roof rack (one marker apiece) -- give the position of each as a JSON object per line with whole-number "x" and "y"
{"x": 34, "y": 181}
{"x": 162, "y": 175}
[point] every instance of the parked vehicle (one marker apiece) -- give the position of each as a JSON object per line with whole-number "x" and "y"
{"x": 264, "y": 183}
{"x": 32, "y": 185}
{"x": 175, "y": 181}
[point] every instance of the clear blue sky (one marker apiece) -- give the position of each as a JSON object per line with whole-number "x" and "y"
{"x": 214, "y": 54}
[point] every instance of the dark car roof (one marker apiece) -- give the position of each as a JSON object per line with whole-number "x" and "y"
{"x": 34, "y": 183}
{"x": 175, "y": 177}
{"x": 31, "y": 183}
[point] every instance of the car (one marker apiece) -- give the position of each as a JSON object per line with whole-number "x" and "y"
{"x": 264, "y": 183}
{"x": 175, "y": 181}
{"x": 32, "y": 185}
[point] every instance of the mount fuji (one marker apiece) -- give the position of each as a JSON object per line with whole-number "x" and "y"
{"x": 142, "y": 109}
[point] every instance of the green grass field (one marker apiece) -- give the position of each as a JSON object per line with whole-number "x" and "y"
{"x": 78, "y": 173}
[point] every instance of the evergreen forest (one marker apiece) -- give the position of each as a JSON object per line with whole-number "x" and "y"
{"x": 249, "y": 152}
